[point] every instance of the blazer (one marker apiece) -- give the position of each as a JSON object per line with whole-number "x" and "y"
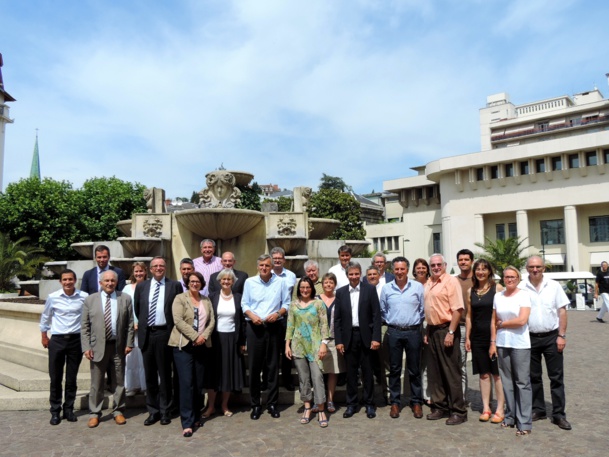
{"x": 184, "y": 317}
{"x": 388, "y": 278}
{"x": 93, "y": 326}
{"x": 141, "y": 305}
{"x": 90, "y": 281}
{"x": 214, "y": 284}
{"x": 239, "y": 316}
{"x": 369, "y": 316}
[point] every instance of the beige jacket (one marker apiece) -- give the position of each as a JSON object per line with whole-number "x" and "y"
{"x": 183, "y": 317}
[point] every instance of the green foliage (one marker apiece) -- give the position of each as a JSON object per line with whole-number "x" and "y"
{"x": 284, "y": 204}
{"x": 105, "y": 201}
{"x": 334, "y": 204}
{"x": 502, "y": 253}
{"x": 17, "y": 259}
{"x": 250, "y": 197}
{"x": 332, "y": 182}
{"x": 194, "y": 198}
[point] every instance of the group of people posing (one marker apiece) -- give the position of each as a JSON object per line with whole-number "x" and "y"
{"x": 177, "y": 339}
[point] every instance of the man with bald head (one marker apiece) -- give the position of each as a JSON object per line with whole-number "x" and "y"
{"x": 228, "y": 262}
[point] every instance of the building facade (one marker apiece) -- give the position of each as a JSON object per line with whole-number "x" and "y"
{"x": 542, "y": 174}
{"x": 4, "y": 119}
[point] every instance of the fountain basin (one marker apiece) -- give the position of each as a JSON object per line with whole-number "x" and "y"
{"x": 139, "y": 246}
{"x": 295, "y": 263}
{"x": 242, "y": 178}
{"x": 291, "y": 245}
{"x": 124, "y": 227}
{"x": 219, "y": 223}
{"x": 357, "y": 246}
{"x": 58, "y": 266}
{"x": 322, "y": 228}
{"x": 84, "y": 249}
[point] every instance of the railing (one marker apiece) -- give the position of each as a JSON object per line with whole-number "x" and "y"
{"x": 550, "y": 128}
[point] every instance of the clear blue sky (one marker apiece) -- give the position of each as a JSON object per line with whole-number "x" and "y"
{"x": 161, "y": 92}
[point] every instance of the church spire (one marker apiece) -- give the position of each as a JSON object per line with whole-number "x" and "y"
{"x": 35, "y": 170}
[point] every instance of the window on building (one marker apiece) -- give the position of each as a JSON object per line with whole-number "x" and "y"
{"x": 419, "y": 191}
{"x": 606, "y": 155}
{"x": 540, "y": 166}
{"x": 524, "y": 167}
{"x": 509, "y": 170}
{"x": 573, "y": 160}
{"x": 479, "y": 174}
{"x": 500, "y": 231}
{"x": 557, "y": 163}
{"x": 553, "y": 232}
{"x": 599, "y": 229}
{"x": 437, "y": 245}
{"x": 542, "y": 126}
{"x": 591, "y": 158}
{"x": 494, "y": 172}
{"x": 512, "y": 231}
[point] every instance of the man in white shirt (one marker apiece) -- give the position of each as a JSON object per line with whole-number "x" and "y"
{"x": 548, "y": 332}
{"x": 340, "y": 270}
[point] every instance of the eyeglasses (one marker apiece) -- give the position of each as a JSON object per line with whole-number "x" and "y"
{"x": 534, "y": 267}
{"x": 436, "y": 265}
{"x": 194, "y": 282}
{"x": 510, "y": 277}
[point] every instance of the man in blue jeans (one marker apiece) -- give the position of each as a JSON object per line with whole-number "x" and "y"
{"x": 402, "y": 309}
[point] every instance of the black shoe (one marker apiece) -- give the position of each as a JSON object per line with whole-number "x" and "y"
{"x": 165, "y": 419}
{"x": 256, "y": 413}
{"x": 600, "y": 320}
{"x": 69, "y": 416}
{"x": 274, "y": 412}
{"x": 152, "y": 419}
{"x": 539, "y": 416}
{"x": 370, "y": 412}
{"x": 562, "y": 423}
{"x": 350, "y": 411}
{"x": 55, "y": 419}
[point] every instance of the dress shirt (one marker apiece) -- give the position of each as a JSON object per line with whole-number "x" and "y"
{"x": 207, "y": 269}
{"x": 62, "y": 312}
{"x": 264, "y": 298}
{"x": 442, "y": 298}
{"x": 403, "y": 307}
{"x": 545, "y": 304}
{"x": 160, "y": 304}
{"x": 354, "y": 295}
{"x": 341, "y": 276}
{"x": 289, "y": 278}
{"x": 99, "y": 274}
{"x": 113, "y": 309}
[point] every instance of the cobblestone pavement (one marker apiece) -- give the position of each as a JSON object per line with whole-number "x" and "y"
{"x": 587, "y": 378}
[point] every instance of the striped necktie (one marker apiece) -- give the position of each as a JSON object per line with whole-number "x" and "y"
{"x": 108, "y": 318}
{"x": 152, "y": 311}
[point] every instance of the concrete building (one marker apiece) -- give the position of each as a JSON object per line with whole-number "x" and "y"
{"x": 4, "y": 119}
{"x": 542, "y": 174}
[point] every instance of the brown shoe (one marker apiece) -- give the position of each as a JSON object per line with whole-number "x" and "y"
{"x": 120, "y": 420}
{"x": 93, "y": 422}
{"x": 395, "y": 411}
{"x": 437, "y": 414}
{"x": 456, "y": 419}
{"x": 417, "y": 411}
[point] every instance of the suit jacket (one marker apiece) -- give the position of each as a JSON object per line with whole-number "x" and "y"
{"x": 93, "y": 327}
{"x": 183, "y": 331}
{"x": 388, "y": 278}
{"x": 369, "y": 316}
{"x": 239, "y": 316}
{"x": 214, "y": 284}
{"x": 141, "y": 305}
{"x": 90, "y": 281}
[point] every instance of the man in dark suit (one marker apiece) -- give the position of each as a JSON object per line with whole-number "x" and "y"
{"x": 107, "y": 337}
{"x": 380, "y": 261}
{"x": 228, "y": 261}
{"x": 357, "y": 332}
{"x": 91, "y": 279}
{"x": 153, "y": 300}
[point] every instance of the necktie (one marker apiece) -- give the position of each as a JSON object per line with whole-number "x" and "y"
{"x": 108, "y": 318}
{"x": 152, "y": 311}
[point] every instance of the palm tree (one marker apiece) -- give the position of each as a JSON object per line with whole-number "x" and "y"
{"x": 502, "y": 253}
{"x": 18, "y": 259}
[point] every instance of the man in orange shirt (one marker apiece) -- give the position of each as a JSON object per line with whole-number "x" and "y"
{"x": 443, "y": 309}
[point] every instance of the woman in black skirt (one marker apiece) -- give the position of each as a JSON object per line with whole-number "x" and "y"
{"x": 228, "y": 345}
{"x": 478, "y": 337}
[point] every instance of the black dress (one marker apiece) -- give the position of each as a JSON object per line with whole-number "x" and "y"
{"x": 480, "y": 334}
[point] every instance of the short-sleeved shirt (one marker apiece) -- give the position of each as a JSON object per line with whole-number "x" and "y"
{"x": 545, "y": 304}
{"x": 442, "y": 297}
{"x": 602, "y": 279}
{"x": 507, "y": 308}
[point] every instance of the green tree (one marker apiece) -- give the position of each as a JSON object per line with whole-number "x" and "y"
{"x": 194, "y": 198}
{"x": 250, "y": 197}
{"x": 104, "y": 202}
{"x": 333, "y": 182}
{"x": 334, "y": 204}
{"x": 284, "y": 204}
{"x": 502, "y": 253}
{"x": 45, "y": 211}
{"x": 18, "y": 259}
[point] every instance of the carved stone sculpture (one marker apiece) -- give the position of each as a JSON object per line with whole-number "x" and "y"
{"x": 220, "y": 192}
{"x": 155, "y": 200}
{"x": 302, "y": 195}
{"x": 286, "y": 226}
{"x": 153, "y": 227}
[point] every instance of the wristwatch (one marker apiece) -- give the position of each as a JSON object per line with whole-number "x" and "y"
{"x": 451, "y": 332}
{"x": 564, "y": 337}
